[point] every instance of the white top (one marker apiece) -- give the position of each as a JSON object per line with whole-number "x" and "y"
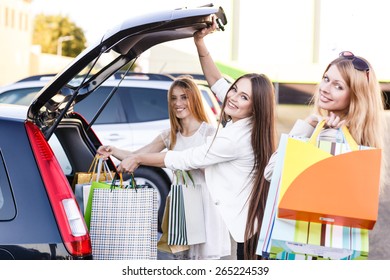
{"x": 228, "y": 161}
{"x": 217, "y": 243}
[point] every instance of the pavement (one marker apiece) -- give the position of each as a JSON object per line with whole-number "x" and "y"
{"x": 379, "y": 237}
{"x": 379, "y": 248}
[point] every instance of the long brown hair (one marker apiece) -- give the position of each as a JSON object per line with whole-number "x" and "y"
{"x": 263, "y": 141}
{"x": 195, "y": 105}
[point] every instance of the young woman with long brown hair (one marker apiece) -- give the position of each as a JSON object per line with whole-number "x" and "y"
{"x": 235, "y": 157}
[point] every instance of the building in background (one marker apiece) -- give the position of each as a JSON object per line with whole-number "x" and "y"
{"x": 290, "y": 41}
{"x": 15, "y": 38}
{"x": 19, "y": 58}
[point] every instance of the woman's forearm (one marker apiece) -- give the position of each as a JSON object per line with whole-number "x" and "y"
{"x": 132, "y": 162}
{"x": 120, "y": 153}
{"x": 154, "y": 159}
{"x": 209, "y": 68}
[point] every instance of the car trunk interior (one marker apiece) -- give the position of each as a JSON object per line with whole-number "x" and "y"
{"x": 78, "y": 146}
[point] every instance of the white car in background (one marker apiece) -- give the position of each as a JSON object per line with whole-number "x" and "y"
{"x": 134, "y": 115}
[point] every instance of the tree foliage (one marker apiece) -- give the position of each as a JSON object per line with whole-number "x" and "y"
{"x": 49, "y": 28}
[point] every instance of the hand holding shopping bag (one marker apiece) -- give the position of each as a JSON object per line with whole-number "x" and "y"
{"x": 291, "y": 239}
{"x": 328, "y": 182}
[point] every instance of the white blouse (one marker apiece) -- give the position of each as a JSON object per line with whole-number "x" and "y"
{"x": 228, "y": 162}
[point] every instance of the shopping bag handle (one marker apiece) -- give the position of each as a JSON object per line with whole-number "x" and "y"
{"x": 92, "y": 167}
{"x": 106, "y": 170}
{"x": 185, "y": 176}
{"x": 103, "y": 167}
{"x": 120, "y": 176}
{"x": 347, "y": 136}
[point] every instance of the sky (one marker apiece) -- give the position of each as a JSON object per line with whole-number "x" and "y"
{"x": 279, "y": 27}
{"x": 95, "y": 17}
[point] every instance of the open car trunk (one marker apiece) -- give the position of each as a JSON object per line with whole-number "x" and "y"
{"x": 75, "y": 147}
{"x": 70, "y": 136}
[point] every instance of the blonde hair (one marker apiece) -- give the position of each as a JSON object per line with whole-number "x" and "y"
{"x": 195, "y": 105}
{"x": 365, "y": 115}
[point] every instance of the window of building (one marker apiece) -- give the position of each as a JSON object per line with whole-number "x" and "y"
{"x": 6, "y": 16}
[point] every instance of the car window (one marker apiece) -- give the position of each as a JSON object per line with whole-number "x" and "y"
{"x": 144, "y": 104}
{"x": 112, "y": 113}
{"x": 207, "y": 98}
{"x": 22, "y": 96}
{"x": 7, "y": 204}
{"x": 127, "y": 105}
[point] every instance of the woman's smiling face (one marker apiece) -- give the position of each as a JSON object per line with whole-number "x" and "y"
{"x": 334, "y": 92}
{"x": 179, "y": 103}
{"x": 239, "y": 100}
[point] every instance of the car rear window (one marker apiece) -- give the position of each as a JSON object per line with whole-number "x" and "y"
{"x": 127, "y": 105}
{"x": 7, "y": 204}
{"x": 21, "y": 96}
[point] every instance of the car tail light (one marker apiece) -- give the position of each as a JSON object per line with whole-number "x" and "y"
{"x": 71, "y": 224}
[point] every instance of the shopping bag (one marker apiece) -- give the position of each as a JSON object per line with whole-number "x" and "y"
{"x": 186, "y": 225}
{"x": 81, "y": 193}
{"x": 96, "y": 172}
{"x": 100, "y": 172}
{"x": 327, "y": 182}
{"x": 122, "y": 222}
{"x": 271, "y": 206}
{"x": 316, "y": 240}
{"x": 288, "y": 239}
{"x": 162, "y": 244}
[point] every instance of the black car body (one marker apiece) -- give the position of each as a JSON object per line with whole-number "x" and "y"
{"x": 39, "y": 216}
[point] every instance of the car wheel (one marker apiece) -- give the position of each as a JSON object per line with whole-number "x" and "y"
{"x": 149, "y": 177}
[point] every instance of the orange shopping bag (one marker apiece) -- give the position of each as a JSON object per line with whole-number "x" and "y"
{"x": 333, "y": 183}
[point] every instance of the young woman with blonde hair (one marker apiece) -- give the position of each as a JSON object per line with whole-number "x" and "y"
{"x": 349, "y": 94}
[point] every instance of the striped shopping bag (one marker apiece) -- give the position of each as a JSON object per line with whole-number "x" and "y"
{"x": 330, "y": 182}
{"x": 177, "y": 231}
{"x": 317, "y": 241}
{"x": 290, "y": 239}
{"x": 186, "y": 225}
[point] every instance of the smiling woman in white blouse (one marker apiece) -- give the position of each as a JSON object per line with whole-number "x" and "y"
{"x": 235, "y": 157}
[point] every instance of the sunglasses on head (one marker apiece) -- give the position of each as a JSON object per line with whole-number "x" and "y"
{"x": 358, "y": 63}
